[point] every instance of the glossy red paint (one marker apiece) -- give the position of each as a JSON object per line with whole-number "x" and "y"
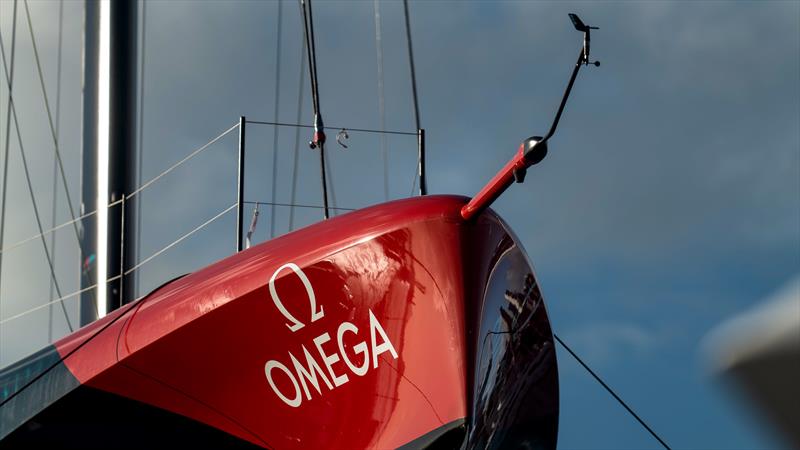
{"x": 93, "y": 348}
{"x": 199, "y": 346}
{"x": 208, "y": 336}
{"x": 496, "y": 186}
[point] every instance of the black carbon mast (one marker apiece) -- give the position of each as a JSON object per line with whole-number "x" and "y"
{"x": 108, "y": 170}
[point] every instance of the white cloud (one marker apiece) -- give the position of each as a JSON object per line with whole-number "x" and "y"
{"x": 604, "y": 343}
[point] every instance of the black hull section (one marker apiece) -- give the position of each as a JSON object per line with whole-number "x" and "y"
{"x": 88, "y": 418}
{"x": 514, "y": 396}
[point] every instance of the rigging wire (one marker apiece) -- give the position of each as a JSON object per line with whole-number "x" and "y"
{"x": 157, "y": 253}
{"x": 319, "y": 127}
{"x": 275, "y": 115}
{"x": 180, "y": 239}
{"x": 129, "y": 271}
{"x": 186, "y": 158}
{"x": 381, "y": 100}
{"x": 348, "y": 129}
{"x": 55, "y": 162}
{"x": 56, "y": 148}
{"x": 54, "y": 301}
{"x": 33, "y": 200}
{"x": 295, "y": 205}
{"x": 50, "y": 116}
{"x": 297, "y": 133}
{"x": 8, "y": 131}
{"x": 55, "y": 228}
{"x": 423, "y": 187}
{"x": 611, "y": 391}
{"x": 117, "y": 202}
{"x": 132, "y": 194}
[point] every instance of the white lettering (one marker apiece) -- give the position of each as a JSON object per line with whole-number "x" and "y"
{"x": 386, "y": 346}
{"x": 329, "y": 359}
{"x": 360, "y": 348}
{"x": 298, "y": 398}
{"x": 310, "y": 374}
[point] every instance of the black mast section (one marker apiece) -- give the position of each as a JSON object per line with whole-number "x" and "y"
{"x": 122, "y": 149}
{"x": 319, "y": 127}
{"x": 119, "y": 116}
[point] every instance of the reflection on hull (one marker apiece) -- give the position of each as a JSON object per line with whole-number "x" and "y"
{"x": 515, "y": 394}
{"x": 396, "y": 325}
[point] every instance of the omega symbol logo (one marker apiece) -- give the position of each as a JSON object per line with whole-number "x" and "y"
{"x": 331, "y": 365}
{"x": 293, "y": 324}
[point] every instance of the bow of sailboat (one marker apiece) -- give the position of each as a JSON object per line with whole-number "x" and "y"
{"x": 376, "y": 328}
{"x": 416, "y": 323}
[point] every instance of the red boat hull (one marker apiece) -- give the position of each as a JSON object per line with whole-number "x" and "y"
{"x": 399, "y": 324}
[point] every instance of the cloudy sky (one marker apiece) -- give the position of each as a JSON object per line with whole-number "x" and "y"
{"x": 669, "y": 202}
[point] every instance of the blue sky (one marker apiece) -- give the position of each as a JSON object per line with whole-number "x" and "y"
{"x": 669, "y": 202}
